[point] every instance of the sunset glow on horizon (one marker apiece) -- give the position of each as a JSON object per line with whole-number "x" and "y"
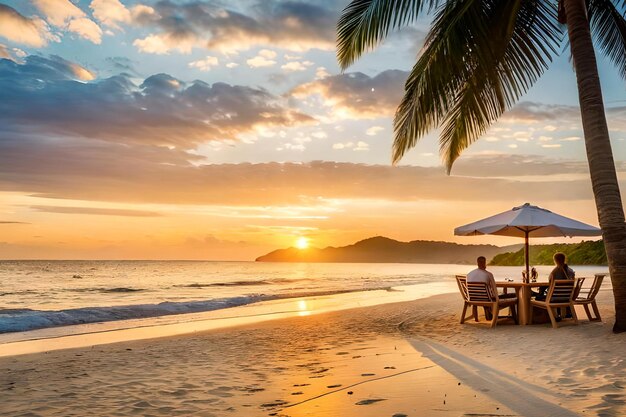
{"x": 176, "y": 130}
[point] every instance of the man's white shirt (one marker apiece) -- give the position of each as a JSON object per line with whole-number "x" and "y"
{"x": 481, "y": 275}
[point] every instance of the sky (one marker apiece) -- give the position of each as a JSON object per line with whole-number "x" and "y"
{"x": 222, "y": 130}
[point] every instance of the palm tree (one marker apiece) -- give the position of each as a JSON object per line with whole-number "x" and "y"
{"x": 479, "y": 58}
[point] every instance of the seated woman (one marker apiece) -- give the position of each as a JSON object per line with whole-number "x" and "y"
{"x": 560, "y": 271}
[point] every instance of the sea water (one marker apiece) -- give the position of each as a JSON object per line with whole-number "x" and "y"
{"x": 44, "y": 294}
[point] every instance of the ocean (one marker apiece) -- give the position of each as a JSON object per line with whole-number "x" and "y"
{"x": 45, "y": 294}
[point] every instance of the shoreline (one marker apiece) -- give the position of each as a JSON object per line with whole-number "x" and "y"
{"x": 271, "y": 367}
{"x": 93, "y": 334}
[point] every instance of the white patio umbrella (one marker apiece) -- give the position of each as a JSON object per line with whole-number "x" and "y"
{"x": 525, "y": 221}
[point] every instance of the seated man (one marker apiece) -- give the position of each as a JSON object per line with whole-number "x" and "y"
{"x": 481, "y": 274}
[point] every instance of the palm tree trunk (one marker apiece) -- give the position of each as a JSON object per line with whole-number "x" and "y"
{"x": 599, "y": 154}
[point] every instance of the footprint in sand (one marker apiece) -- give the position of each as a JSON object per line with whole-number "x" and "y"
{"x": 276, "y": 403}
{"x": 614, "y": 399}
{"x": 369, "y": 401}
{"x": 333, "y": 386}
{"x": 368, "y": 374}
{"x": 297, "y": 393}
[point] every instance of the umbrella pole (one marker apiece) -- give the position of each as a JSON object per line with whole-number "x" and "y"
{"x": 526, "y": 256}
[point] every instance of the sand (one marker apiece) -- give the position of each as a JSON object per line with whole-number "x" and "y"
{"x": 410, "y": 358}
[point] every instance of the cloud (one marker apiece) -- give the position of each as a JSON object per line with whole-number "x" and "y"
{"x": 161, "y": 44}
{"x": 117, "y": 173}
{"x": 265, "y": 58}
{"x": 531, "y": 112}
{"x": 65, "y": 15}
{"x": 110, "y": 13}
{"x": 374, "y": 130}
{"x": 40, "y": 97}
{"x": 507, "y": 165}
{"x": 296, "y": 66}
{"x": 293, "y": 25}
{"x": 232, "y": 65}
{"x": 321, "y": 72}
{"x": 358, "y": 146}
{"x": 121, "y": 64}
{"x": 37, "y": 70}
{"x": 95, "y": 211}
{"x": 205, "y": 64}
{"x": 27, "y": 31}
{"x": 356, "y": 95}
{"x": 362, "y": 146}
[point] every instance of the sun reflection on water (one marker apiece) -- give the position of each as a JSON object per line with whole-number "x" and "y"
{"x": 304, "y": 308}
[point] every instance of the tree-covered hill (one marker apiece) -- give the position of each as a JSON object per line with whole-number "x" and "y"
{"x": 583, "y": 253}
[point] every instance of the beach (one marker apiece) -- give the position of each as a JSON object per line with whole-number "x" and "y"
{"x": 407, "y": 358}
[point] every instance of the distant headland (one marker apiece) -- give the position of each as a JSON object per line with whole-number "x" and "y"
{"x": 381, "y": 249}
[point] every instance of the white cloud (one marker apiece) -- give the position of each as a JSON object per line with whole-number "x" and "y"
{"x": 513, "y": 146}
{"x": 260, "y": 61}
{"x": 65, "y": 15}
{"x": 549, "y": 128}
{"x": 551, "y": 145}
{"x": 110, "y": 12}
{"x": 321, "y": 72}
{"x": 267, "y": 53}
{"x": 232, "y": 65}
{"x": 58, "y": 12}
{"x": 373, "y": 131}
{"x": 571, "y": 139}
{"x": 292, "y": 147}
{"x": 319, "y": 134}
{"x": 346, "y": 145}
{"x": 205, "y": 64}
{"x": 545, "y": 138}
{"x": 33, "y": 32}
{"x": 491, "y": 139}
{"x": 296, "y": 66}
{"x": 86, "y": 29}
{"x": 362, "y": 146}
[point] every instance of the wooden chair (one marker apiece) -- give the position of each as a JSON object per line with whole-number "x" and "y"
{"x": 586, "y": 296}
{"x": 479, "y": 294}
{"x": 560, "y": 295}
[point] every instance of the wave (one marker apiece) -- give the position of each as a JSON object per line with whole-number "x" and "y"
{"x": 239, "y": 283}
{"x": 21, "y": 320}
{"x": 109, "y": 290}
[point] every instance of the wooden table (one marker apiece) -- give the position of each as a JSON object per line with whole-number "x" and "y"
{"x": 523, "y": 291}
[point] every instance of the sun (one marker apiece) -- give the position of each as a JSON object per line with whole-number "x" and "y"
{"x": 302, "y": 243}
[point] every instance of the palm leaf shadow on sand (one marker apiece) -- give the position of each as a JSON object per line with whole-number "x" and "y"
{"x": 520, "y": 396}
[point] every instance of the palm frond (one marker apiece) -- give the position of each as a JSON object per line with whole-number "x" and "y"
{"x": 608, "y": 27}
{"x": 479, "y": 58}
{"x": 364, "y": 23}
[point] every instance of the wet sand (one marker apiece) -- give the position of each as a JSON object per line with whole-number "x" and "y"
{"x": 409, "y": 358}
